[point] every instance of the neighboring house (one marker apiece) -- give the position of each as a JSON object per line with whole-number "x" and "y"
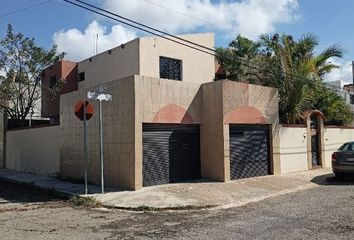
{"x": 345, "y": 91}
{"x": 168, "y": 120}
{"x": 65, "y": 71}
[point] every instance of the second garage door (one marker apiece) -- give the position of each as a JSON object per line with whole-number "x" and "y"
{"x": 171, "y": 153}
{"x": 249, "y": 151}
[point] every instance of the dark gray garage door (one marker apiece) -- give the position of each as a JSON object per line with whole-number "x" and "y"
{"x": 171, "y": 153}
{"x": 249, "y": 151}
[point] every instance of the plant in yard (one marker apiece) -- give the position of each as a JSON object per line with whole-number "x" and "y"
{"x": 22, "y": 63}
{"x": 292, "y": 67}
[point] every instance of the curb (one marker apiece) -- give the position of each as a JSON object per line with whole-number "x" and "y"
{"x": 34, "y": 185}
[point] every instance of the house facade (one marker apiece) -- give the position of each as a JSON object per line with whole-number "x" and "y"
{"x": 168, "y": 121}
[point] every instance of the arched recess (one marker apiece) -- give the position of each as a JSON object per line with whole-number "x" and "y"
{"x": 315, "y": 139}
{"x": 245, "y": 114}
{"x": 173, "y": 113}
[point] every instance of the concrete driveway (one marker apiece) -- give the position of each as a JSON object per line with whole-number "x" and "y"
{"x": 212, "y": 194}
{"x": 201, "y": 194}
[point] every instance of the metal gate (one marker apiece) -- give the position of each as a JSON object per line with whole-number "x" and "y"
{"x": 315, "y": 148}
{"x": 249, "y": 151}
{"x": 171, "y": 153}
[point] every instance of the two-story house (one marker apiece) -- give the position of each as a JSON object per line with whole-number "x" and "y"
{"x": 168, "y": 120}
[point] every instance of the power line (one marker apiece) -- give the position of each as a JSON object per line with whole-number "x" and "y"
{"x": 25, "y": 8}
{"x": 140, "y": 26}
{"x": 145, "y": 26}
{"x": 178, "y": 12}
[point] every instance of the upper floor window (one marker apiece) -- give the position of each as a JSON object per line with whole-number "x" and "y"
{"x": 170, "y": 68}
{"x": 52, "y": 81}
{"x": 81, "y": 76}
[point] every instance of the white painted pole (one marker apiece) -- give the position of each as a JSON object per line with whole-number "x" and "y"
{"x": 85, "y": 148}
{"x": 101, "y": 144}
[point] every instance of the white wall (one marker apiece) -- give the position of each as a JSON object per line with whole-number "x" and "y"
{"x": 334, "y": 138}
{"x": 35, "y": 150}
{"x": 293, "y": 149}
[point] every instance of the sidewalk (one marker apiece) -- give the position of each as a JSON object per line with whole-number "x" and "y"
{"x": 198, "y": 194}
{"x": 47, "y": 183}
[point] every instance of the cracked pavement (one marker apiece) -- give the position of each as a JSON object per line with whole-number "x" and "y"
{"x": 323, "y": 212}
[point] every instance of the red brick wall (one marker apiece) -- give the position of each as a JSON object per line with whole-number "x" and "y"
{"x": 62, "y": 70}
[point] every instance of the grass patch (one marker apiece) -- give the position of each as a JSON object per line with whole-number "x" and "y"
{"x": 87, "y": 202}
{"x": 144, "y": 208}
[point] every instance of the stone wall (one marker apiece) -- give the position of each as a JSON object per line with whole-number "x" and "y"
{"x": 226, "y": 102}
{"x": 213, "y": 153}
{"x": 138, "y": 100}
{"x": 119, "y": 138}
{"x": 163, "y": 101}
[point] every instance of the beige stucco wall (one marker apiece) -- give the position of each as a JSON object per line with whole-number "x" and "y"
{"x": 119, "y": 138}
{"x": 293, "y": 149}
{"x": 141, "y": 99}
{"x": 197, "y": 67}
{"x": 214, "y": 154}
{"x": 219, "y": 100}
{"x": 151, "y": 96}
{"x": 105, "y": 67}
{"x": 34, "y": 150}
{"x": 333, "y": 139}
{"x": 265, "y": 100}
{"x": 141, "y": 57}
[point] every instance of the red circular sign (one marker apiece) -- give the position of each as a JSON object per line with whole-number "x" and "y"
{"x": 79, "y": 110}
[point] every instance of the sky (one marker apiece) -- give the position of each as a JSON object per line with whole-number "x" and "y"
{"x": 73, "y": 30}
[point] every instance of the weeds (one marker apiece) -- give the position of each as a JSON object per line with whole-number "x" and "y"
{"x": 87, "y": 202}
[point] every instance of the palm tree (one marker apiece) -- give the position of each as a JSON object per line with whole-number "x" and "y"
{"x": 292, "y": 67}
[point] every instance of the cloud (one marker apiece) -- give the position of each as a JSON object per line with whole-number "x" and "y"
{"x": 247, "y": 17}
{"x": 80, "y": 45}
{"x": 344, "y": 72}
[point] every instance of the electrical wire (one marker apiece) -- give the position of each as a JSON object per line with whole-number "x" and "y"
{"x": 145, "y": 26}
{"x": 25, "y": 8}
{"x": 140, "y": 26}
{"x": 178, "y": 12}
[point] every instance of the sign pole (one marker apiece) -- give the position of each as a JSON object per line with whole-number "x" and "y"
{"x": 84, "y": 111}
{"x": 85, "y": 148}
{"x": 100, "y": 96}
{"x": 101, "y": 144}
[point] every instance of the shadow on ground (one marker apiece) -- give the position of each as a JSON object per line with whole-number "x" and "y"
{"x": 330, "y": 179}
{"x": 16, "y": 193}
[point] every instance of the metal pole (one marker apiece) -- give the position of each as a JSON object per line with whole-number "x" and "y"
{"x": 30, "y": 120}
{"x": 101, "y": 144}
{"x": 85, "y": 148}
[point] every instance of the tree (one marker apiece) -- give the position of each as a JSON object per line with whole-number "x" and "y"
{"x": 238, "y": 60}
{"x": 335, "y": 110}
{"x": 293, "y": 68}
{"x": 22, "y": 62}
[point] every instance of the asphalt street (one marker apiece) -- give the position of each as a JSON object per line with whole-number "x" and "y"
{"x": 323, "y": 212}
